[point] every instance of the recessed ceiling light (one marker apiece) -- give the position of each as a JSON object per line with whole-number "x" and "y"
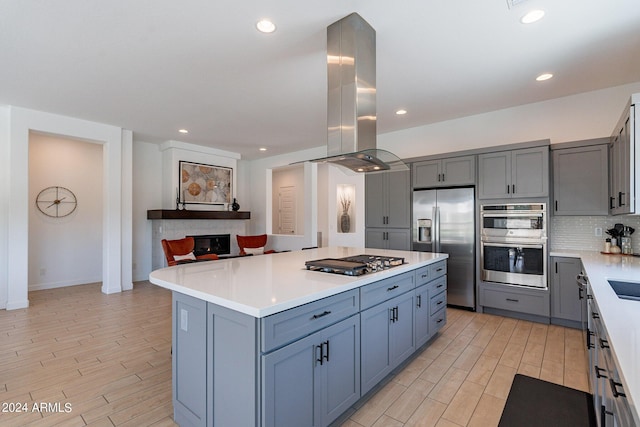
{"x": 533, "y": 16}
{"x": 262, "y": 149}
{"x": 543, "y": 77}
{"x": 183, "y": 131}
{"x": 401, "y": 112}
{"x": 265, "y": 26}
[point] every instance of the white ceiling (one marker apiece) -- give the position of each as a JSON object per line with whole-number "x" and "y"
{"x": 155, "y": 66}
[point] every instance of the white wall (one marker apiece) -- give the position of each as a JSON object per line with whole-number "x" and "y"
{"x": 4, "y": 203}
{"x": 259, "y": 189}
{"x": 583, "y": 116}
{"x": 175, "y": 151}
{"x": 572, "y": 118}
{"x": 147, "y": 190}
{"x": 116, "y": 227}
{"x": 65, "y": 251}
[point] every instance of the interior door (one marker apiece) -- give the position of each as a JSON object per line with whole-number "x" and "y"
{"x": 287, "y": 210}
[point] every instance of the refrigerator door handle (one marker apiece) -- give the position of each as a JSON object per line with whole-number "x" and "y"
{"x": 436, "y": 228}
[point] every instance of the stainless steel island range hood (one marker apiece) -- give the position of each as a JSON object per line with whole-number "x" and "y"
{"x": 351, "y": 106}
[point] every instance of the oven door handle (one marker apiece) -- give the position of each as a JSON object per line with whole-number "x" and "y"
{"x": 514, "y": 215}
{"x": 515, "y": 245}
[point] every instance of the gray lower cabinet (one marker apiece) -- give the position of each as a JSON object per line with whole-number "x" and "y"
{"x": 386, "y": 338}
{"x": 517, "y": 299}
{"x": 566, "y": 303}
{"x": 514, "y": 173}
{"x": 189, "y": 370}
{"x": 388, "y": 238}
{"x": 312, "y": 381}
{"x": 580, "y": 180}
{"x": 430, "y": 309}
{"x": 609, "y": 399}
{"x": 300, "y": 367}
{"x": 444, "y": 172}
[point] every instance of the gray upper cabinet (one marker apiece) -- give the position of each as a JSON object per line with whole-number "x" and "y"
{"x": 388, "y": 238}
{"x": 445, "y": 172}
{"x": 622, "y": 165}
{"x": 514, "y": 173}
{"x": 580, "y": 180}
{"x": 387, "y": 199}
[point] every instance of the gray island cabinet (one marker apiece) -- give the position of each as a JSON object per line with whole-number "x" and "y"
{"x": 296, "y": 347}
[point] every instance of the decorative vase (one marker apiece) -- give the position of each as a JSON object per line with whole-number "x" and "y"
{"x": 235, "y": 206}
{"x": 345, "y": 222}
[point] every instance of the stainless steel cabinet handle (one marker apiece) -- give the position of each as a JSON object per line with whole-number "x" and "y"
{"x": 512, "y": 300}
{"x": 513, "y": 188}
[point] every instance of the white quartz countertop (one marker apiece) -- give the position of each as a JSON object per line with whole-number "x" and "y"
{"x": 621, "y": 317}
{"x": 266, "y": 284}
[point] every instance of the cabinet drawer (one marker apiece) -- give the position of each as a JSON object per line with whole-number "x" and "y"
{"x": 438, "y": 269}
{"x": 437, "y": 321}
{"x": 429, "y": 272}
{"x": 522, "y": 303}
{"x": 437, "y": 302}
{"x": 377, "y": 292}
{"x": 282, "y": 328}
{"x": 423, "y": 275}
{"x": 437, "y": 286}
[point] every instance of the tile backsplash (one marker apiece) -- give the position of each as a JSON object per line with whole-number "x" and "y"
{"x": 578, "y": 232}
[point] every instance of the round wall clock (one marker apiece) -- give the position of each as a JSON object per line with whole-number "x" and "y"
{"x": 56, "y": 202}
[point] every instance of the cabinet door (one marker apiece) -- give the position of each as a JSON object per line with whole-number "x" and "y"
{"x": 625, "y": 198}
{"x": 340, "y": 372}
{"x": 375, "y": 238}
{"x": 398, "y": 197}
{"x": 530, "y": 172}
{"x": 374, "y": 345}
{"x": 399, "y": 239}
{"x": 494, "y": 175}
{"x": 189, "y": 340}
{"x": 402, "y": 343}
{"x": 288, "y": 390}
{"x": 427, "y": 174}
{"x": 580, "y": 180}
{"x": 565, "y": 301}
{"x": 375, "y": 200}
{"x": 459, "y": 171}
{"x": 421, "y": 316}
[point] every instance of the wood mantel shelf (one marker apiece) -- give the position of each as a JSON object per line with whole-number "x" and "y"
{"x": 187, "y": 214}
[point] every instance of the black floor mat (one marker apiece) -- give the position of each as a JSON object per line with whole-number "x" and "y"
{"x": 537, "y": 403}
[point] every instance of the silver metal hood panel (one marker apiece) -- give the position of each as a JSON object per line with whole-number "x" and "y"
{"x": 351, "y": 106}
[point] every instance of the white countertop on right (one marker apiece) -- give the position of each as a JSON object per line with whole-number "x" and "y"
{"x": 621, "y": 317}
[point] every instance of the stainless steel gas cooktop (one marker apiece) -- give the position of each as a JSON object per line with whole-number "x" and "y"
{"x": 354, "y": 265}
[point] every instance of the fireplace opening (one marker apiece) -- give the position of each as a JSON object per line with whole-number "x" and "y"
{"x": 219, "y": 244}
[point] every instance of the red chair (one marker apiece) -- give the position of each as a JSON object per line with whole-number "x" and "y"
{"x": 182, "y": 248}
{"x": 253, "y": 242}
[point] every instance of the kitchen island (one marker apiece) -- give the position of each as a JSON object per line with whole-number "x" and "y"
{"x": 621, "y": 321}
{"x": 262, "y": 341}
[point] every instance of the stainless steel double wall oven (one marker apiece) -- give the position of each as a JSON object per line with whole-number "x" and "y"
{"x": 513, "y": 247}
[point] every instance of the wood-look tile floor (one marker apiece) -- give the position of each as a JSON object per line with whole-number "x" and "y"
{"x": 108, "y": 357}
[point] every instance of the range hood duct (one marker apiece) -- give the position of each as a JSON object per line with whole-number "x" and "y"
{"x": 351, "y": 99}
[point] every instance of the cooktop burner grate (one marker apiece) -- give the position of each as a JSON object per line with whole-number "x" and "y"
{"x": 354, "y": 265}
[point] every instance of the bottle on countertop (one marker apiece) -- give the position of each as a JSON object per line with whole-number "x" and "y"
{"x": 607, "y": 246}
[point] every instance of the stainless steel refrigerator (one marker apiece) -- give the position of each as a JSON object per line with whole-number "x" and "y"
{"x": 444, "y": 221}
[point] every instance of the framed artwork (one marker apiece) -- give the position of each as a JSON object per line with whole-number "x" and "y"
{"x": 205, "y": 184}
